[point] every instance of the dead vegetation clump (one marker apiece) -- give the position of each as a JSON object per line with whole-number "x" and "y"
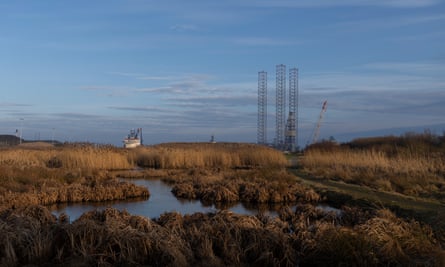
{"x": 321, "y": 238}
{"x": 398, "y": 241}
{"x": 27, "y": 236}
{"x": 307, "y": 236}
{"x": 114, "y": 238}
{"x": 86, "y": 190}
{"x": 259, "y": 192}
{"x": 228, "y": 239}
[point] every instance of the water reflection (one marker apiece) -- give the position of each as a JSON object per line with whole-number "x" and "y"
{"x": 161, "y": 200}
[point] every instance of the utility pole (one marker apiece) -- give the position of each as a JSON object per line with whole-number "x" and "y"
{"x": 21, "y": 129}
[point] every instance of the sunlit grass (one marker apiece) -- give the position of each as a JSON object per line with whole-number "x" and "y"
{"x": 417, "y": 169}
{"x": 203, "y": 155}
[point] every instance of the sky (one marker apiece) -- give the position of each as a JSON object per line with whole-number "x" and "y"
{"x": 90, "y": 71}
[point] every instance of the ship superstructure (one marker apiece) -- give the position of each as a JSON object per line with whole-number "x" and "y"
{"x": 133, "y": 139}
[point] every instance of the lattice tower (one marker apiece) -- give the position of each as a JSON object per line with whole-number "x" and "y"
{"x": 291, "y": 135}
{"x": 262, "y": 108}
{"x": 280, "y": 105}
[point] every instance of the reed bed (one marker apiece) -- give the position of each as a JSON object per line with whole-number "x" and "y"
{"x": 164, "y": 156}
{"x": 206, "y": 155}
{"x": 306, "y": 236}
{"x": 71, "y": 157}
{"x": 74, "y": 173}
{"x": 59, "y": 175}
{"x": 89, "y": 158}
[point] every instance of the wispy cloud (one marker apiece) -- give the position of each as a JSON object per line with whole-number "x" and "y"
{"x": 108, "y": 91}
{"x": 380, "y": 77}
{"x": 408, "y": 67}
{"x": 264, "y": 41}
{"x": 10, "y": 104}
{"x": 184, "y": 28}
{"x": 388, "y": 22}
{"x": 216, "y": 101}
{"x": 414, "y": 88}
{"x": 334, "y": 3}
{"x": 132, "y": 108}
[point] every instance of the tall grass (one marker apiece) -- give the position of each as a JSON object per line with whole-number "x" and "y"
{"x": 63, "y": 174}
{"x": 47, "y": 175}
{"x": 83, "y": 157}
{"x": 164, "y": 156}
{"x": 416, "y": 170}
{"x": 201, "y": 155}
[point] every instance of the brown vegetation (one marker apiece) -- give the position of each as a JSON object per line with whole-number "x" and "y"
{"x": 209, "y": 156}
{"x": 42, "y": 175}
{"x": 254, "y": 191}
{"x": 307, "y": 236}
{"x": 216, "y": 173}
{"x": 80, "y": 172}
{"x": 92, "y": 190}
{"x": 413, "y": 165}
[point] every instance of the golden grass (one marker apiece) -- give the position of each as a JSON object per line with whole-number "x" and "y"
{"x": 164, "y": 156}
{"x": 82, "y": 157}
{"x": 71, "y": 173}
{"x": 410, "y": 174}
{"x": 92, "y": 190}
{"x": 206, "y": 155}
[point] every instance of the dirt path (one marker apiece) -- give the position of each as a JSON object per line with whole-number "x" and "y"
{"x": 357, "y": 193}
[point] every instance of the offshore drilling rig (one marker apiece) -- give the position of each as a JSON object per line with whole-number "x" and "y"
{"x": 286, "y": 131}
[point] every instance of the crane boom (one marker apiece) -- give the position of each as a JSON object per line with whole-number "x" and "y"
{"x": 320, "y": 118}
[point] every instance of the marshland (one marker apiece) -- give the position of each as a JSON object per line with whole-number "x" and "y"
{"x": 369, "y": 180}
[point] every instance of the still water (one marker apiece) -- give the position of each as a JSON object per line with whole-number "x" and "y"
{"x": 161, "y": 200}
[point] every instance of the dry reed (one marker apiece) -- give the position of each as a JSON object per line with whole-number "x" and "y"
{"x": 71, "y": 157}
{"x": 92, "y": 190}
{"x": 305, "y": 237}
{"x": 234, "y": 187}
{"x": 213, "y": 156}
{"x": 416, "y": 175}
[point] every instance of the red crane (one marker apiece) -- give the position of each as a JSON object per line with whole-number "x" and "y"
{"x": 317, "y": 127}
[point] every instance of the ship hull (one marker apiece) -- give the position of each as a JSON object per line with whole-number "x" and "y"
{"x": 131, "y": 143}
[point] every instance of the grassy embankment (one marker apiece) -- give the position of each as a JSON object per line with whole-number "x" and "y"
{"x": 404, "y": 173}
{"x": 411, "y": 165}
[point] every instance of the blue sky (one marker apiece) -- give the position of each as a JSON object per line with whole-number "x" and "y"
{"x": 184, "y": 70}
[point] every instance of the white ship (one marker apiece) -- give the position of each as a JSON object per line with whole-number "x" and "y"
{"x": 134, "y": 139}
